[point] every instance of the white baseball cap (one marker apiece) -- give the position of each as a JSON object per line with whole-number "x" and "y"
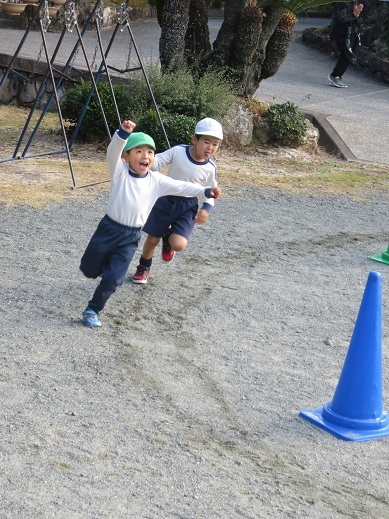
{"x": 209, "y": 127}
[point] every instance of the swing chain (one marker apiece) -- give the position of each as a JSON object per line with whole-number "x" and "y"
{"x": 70, "y": 16}
{"x": 122, "y": 15}
{"x": 128, "y": 58}
{"x": 44, "y": 16}
{"x": 93, "y": 65}
{"x": 36, "y": 62}
{"x": 98, "y": 16}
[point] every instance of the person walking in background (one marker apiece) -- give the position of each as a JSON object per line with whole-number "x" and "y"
{"x": 173, "y": 217}
{"x": 345, "y": 33}
{"x": 134, "y": 191}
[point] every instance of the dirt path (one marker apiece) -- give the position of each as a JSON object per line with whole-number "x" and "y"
{"x": 185, "y": 403}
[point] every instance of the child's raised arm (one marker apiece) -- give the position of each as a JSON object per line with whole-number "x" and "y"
{"x": 128, "y": 126}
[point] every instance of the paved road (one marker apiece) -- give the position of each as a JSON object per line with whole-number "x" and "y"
{"x": 359, "y": 114}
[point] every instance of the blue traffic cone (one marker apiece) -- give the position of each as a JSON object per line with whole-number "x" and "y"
{"x": 383, "y": 257}
{"x": 356, "y": 412}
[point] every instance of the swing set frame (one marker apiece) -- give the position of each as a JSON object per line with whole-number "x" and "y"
{"x": 41, "y": 18}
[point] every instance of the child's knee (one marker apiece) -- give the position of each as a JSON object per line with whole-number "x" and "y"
{"x": 92, "y": 274}
{"x": 177, "y": 242}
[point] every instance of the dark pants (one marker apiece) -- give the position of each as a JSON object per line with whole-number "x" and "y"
{"x": 109, "y": 254}
{"x": 343, "y": 60}
{"x": 348, "y": 44}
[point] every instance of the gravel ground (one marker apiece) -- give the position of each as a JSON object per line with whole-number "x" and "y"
{"x": 185, "y": 403}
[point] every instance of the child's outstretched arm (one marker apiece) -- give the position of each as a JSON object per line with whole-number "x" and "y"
{"x": 213, "y": 192}
{"x": 202, "y": 215}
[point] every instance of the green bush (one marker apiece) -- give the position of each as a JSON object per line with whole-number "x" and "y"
{"x": 181, "y": 99}
{"x": 179, "y": 92}
{"x": 287, "y": 125}
{"x": 214, "y": 95}
{"x": 92, "y": 125}
{"x": 179, "y": 128}
{"x": 173, "y": 91}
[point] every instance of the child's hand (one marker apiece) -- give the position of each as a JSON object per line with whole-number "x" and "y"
{"x": 215, "y": 193}
{"x": 128, "y": 126}
{"x": 358, "y": 9}
{"x": 201, "y": 216}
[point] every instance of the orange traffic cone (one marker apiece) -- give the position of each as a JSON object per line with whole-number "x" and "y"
{"x": 356, "y": 411}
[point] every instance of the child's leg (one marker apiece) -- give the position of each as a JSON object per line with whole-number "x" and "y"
{"x": 183, "y": 225}
{"x": 113, "y": 274}
{"x": 146, "y": 259}
{"x": 177, "y": 243}
{"x": 150, "y": 246}
{"x": 158, "y": 221}
{"x": 114, "y": 246}
{"x": 95, "y": 254}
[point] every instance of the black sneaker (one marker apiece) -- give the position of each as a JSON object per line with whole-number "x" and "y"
{"x": 141, "y": 275}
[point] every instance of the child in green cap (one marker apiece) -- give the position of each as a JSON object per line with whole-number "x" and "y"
{"x": 134, "y": 190}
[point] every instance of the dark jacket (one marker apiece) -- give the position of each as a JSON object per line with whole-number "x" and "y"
{"x": 343, "y": 18}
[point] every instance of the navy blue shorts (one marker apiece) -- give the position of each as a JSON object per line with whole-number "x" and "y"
{"x": 176, "y": 211}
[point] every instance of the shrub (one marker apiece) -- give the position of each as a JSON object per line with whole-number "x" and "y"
{"x": 173, "y": 91}
{"x": 181, "y": 99}
{"x": 179, "y": 128}
{"x": 92, "y": 125}
{"x": 287, "y": 125}
{"x": 214, "y": 95}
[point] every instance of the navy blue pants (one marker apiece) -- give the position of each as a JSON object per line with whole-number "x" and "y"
{"x": 109, "y": 254}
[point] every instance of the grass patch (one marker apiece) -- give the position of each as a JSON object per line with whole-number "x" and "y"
{"x": 310, "y": 175}
{"x": 39, "y": 182}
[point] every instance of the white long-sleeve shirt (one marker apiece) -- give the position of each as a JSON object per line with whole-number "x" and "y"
{"x": 183, "y": 167}
{"x": 132, "y": 196}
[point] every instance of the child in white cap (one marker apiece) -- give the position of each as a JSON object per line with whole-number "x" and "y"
{"x": 173, "y": 217}
{"x": 134, "y": 190}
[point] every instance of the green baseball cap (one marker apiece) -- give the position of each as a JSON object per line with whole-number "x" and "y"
{"x": 139, "y": 139}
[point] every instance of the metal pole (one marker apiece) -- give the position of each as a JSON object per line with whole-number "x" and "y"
{"x": 148, "y": 83}
{"x": 57, "y": 102}
{"x": 94, "y": 84}
{"x": 64, "y": 70}
{"x": 97, "y": 77}
{"x": 38, "y": 96}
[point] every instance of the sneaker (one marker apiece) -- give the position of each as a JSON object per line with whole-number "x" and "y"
{"x": 141, "y": 275}
{"x": 167, "y": 252}
{"x": 90, "y": 318}
{"x": 336, "y": 81}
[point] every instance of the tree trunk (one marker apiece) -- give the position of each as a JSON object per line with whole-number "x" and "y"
{"x": 249, "y": 43}
{"x": 173, "y": 18}
{"x": 277, "y": 46}
{"x": 223, "y": 44}
{"x": 242, "y": 41}
{"x": 197, "y": 42}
